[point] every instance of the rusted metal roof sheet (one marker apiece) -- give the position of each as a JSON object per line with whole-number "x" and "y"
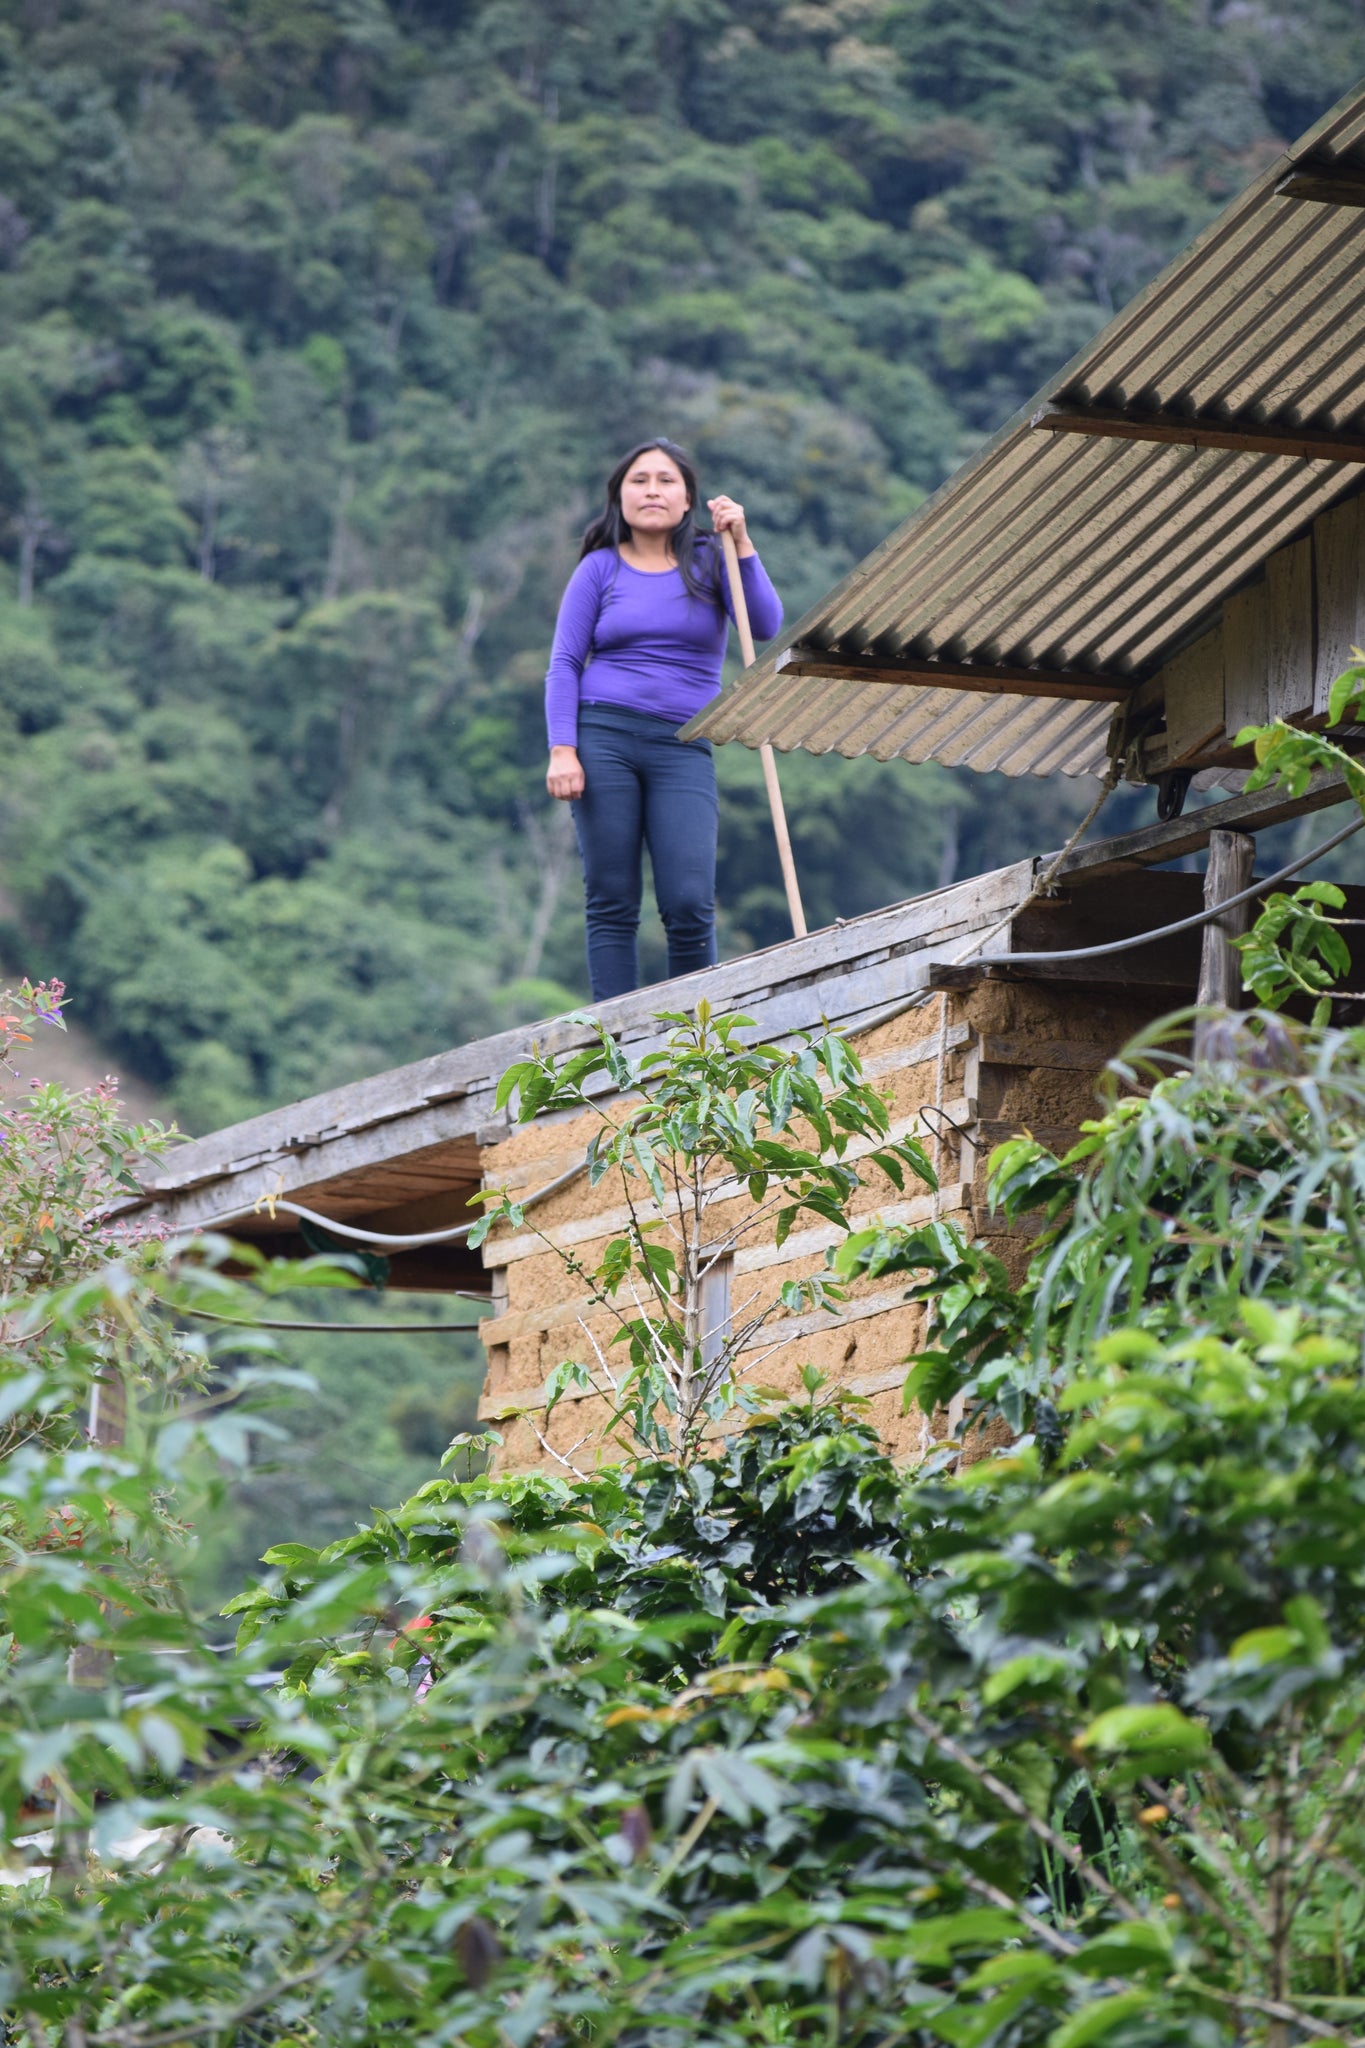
{"x": 1065, "y": 554}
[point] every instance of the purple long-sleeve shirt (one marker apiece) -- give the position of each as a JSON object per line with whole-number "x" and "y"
{"x": 627, "y": 637}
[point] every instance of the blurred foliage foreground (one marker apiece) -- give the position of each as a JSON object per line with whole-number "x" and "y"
{"x": 778, "y": 1742}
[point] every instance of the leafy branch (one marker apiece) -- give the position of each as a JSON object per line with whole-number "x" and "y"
{"x": 705, "y": 1120}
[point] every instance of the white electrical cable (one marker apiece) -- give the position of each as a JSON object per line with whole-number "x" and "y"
{"x": 278, "y": 1203}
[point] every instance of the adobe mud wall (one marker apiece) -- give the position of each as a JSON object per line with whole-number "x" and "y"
{"x": 995, "y": 1058}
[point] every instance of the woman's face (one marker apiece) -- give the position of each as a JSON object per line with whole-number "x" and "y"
{"x": 653, "y": 494}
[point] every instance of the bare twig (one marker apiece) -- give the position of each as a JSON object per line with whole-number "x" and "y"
{"x": 1012, "y": 1803}
{"x": 550, "y": 1451}
{"x": 225, "y": 2022}
{"x": 687, "y": 1842}
{"x": 1184, "y": 1878}
{"x": 1059, "y": 1943}
{"x": 657, "y": 1287}
{"x": 1216, "y": 1856}
{"x": 1332, "y": 1816}
{"x": 1273, "y": 2009}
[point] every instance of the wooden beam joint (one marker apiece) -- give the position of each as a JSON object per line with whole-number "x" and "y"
{"x": 1328, "y": 184}
{"x": 1301, "y": 444}
{"x": 987, "y": 678}
{"x": 1150, "y": 845}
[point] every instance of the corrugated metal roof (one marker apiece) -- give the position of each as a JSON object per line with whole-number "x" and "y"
{"x": 1058, "y": 552}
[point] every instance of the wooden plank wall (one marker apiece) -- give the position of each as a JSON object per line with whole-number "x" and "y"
{"x": 1277, "y": 648}
{"x": 1340, "y": 555}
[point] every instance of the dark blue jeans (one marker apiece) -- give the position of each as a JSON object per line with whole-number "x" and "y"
{"x": 645, "y": 787}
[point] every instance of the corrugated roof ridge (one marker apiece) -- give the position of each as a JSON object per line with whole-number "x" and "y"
{"x": 1069, "y": 551}
{"x": 1351, "y": 103}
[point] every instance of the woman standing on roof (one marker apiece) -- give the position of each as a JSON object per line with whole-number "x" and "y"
{"x": 637, "y": 652}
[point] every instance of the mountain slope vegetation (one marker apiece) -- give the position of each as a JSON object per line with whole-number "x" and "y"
{"x": 322, "y": 320}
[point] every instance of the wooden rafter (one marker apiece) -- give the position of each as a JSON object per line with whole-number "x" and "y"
{"x": 994, "y": 681}
{"x": 1328, "y": 184}
{"x": 1151, "y": 844}
{"x": 1305, "y": 444}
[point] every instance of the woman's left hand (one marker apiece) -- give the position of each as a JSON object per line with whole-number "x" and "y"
{"x": 728, "y": 517}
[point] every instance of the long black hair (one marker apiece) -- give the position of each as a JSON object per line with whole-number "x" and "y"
{"x": 609, "y": 528}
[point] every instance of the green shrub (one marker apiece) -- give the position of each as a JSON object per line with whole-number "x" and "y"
{"x": 772, "y": 1742}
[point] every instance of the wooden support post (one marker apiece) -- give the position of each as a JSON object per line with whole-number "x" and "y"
{"x": 108, "y": 1413}
{"x": 1232, "y": 856}
{"x": 107, "y": 1425}
{"x": 775, "y": 804}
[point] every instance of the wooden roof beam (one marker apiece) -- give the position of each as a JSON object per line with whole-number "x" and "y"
{"x": 1305, "y": 444}
{"x": 1150, "y": 845}
{"x": 1327, "y": 183}
{"x": 990, "y": 679}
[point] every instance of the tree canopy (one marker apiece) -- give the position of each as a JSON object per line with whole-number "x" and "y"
{"x": 319, "y": 329}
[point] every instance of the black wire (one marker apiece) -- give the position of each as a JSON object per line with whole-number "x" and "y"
{"x": 209, "y": 1315}
{"x": 1167, "y": 931}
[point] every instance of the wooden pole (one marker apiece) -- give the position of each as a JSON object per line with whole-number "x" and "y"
{"x": 775, "y": 805}
{"x": 107, "y": 1425}
{"x": 1232, "y": 857}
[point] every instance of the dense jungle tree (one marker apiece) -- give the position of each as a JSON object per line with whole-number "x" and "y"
{"x": 318, "y": 328}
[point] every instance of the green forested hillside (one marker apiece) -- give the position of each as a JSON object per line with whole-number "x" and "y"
{"x": 320, "y": 321}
